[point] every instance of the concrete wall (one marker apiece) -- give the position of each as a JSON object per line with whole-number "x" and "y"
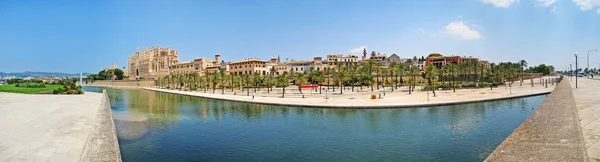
{"x": 123, "y": 83}
{"x": 551, "y": 133}
{"x": 102, "y": 143}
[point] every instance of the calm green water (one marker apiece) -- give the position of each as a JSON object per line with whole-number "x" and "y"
{"x": 154, "y": 126}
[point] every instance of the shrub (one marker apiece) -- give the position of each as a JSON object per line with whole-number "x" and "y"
{"x": 30, "y": 85}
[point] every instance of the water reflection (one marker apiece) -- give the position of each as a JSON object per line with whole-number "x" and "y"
{"x": 196, "y": 129}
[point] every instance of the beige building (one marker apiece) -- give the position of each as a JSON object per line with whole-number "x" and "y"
{"x": 248, "y": 66}
{"x": 199, "y": 65}
{"x": 152, "y": 62}
{"x": 334, "y": 60}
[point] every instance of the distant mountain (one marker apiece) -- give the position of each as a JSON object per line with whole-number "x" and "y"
{"x": 39, "y": 74}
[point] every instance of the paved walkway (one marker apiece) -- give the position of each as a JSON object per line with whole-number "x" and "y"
{"x": 587, "y": 98}
{"x": 362, "y": 99}
{"x": 46, "y": 127}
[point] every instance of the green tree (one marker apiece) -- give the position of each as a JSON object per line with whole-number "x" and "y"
{"x": 341, "y": 76}
{"x": 119, "y": 73}
{"x": 400, "y": 70}
{"x": 300, "y": 79}
{"x": 453, "y": 68}
{"x": 434, "y": 55}
{"x": 223, "y": 78}
{"x": 392, "y": 69}
{"x": 431, "y": 72}
{"x": 282, "y": 82}
{"x": 523, "y": 64}
{"x": 413, "y": 72}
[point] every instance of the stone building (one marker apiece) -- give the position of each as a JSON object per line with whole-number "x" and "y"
{"x": 152, "y": 62}
{"x": 392, "y": 58}
{"x": 198, "y": 65}
{"x": 248, "y": 66}
{"x": 335, "y": 60}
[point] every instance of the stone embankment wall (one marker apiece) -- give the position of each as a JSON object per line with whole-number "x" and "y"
{"x": 551, "y": 133}
{"x": 102, "y": 143}
{"x": 123, "y": 83}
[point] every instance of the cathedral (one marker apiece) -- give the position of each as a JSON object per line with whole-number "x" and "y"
{"x": 151, "y": 62}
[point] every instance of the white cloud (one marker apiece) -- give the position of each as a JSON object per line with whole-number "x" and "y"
{"x": 421, "y": 30}
{"x": 587, "y": 4}
{"x": 598, "y": 11}
{"x": 357, "y": 50}
{"x": 500, "y": 3}
{"x": 545, "y": 3}
{"x": 460, "y": 30}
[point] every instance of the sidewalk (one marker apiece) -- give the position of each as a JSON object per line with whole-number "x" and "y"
{"x": 587, "y": 99}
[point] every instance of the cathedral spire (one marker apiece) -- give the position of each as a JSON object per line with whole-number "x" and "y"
{"x": 364, "y": 53}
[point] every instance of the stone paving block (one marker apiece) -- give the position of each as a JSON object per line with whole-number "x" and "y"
{"x": 42, "y": 126}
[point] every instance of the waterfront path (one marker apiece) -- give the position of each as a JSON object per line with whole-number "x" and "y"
{"x": 46, "y": 127}
{"x": 587, "y": 98}
{"x": 362, "y": 99}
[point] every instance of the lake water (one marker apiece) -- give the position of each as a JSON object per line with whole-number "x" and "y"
{"x": 154, "y": 126}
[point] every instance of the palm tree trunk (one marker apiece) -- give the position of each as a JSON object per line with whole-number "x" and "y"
{"x": 453, "y": 83}
{"x": 377, "y": 77}
{"x": 283, "y": 94}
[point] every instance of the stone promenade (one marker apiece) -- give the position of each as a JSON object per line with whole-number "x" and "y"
{"x": 587, "y": 98}
{"x": 46, "y": 127}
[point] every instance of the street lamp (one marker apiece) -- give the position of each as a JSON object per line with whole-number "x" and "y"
{"x": 588, "y": 58}
{"x": 576, "y": 60}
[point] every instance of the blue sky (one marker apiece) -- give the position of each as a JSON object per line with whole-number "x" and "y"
{"x": 75, "y": 36}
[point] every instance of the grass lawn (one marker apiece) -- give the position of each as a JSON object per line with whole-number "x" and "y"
{"x": 11, "y": 88}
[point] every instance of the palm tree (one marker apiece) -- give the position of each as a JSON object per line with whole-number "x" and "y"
{"x": 430, "y": 73}
{"x": 268, "y": 80}
{"x": 393, "y": 65}
{"x": 453, "y": 69}
{"x": 523, "y": 64}
{"x": 204, "y": 82}
{"x": 352, "y": 73}
{"x": 318, "y": 77}
{"x": 328, "y": 74}
{"x": 399, "y": 71}
{"x": 413, "y": 72}
{"x": 300, "y": 79}
{"x": 341, "y": 76}
{"x": 377, "y": 67}
{"x": 370, "y": 64}
{"x": 475, "y": 65}
{"x": 246, "y": 78}
{"x": 223, "y": 78}
{"x": 237, "y": 81}
{"x": 257, "y": 81}
{"x": 181, "y": 82}
{"x": 283, "y": 82}
{"x": 214, "y": 79}
{"x": 310, "y": 74}
{"x": 365, "y": 78}
{"x": 385, "y": 72}
{"x": 442, "y": 76}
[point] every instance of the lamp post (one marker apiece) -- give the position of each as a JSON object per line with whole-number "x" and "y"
{"x": 571, "y": 71}
{"x": 576, "y": 60}
{"x": 588, "y": 58}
